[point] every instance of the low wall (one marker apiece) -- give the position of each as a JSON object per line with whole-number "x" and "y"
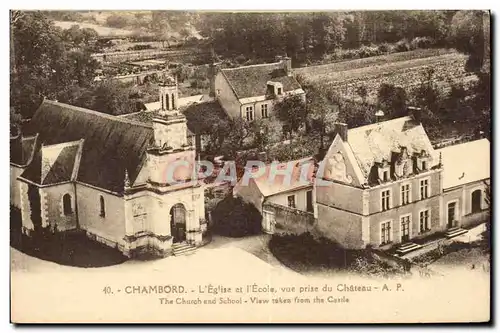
{"x": 289, "y": 220}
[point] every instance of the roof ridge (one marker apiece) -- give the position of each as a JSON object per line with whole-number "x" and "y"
{"x": 249, "y": 66}
{"x": 374, "y": 125}
{"x": 96, "y": 113}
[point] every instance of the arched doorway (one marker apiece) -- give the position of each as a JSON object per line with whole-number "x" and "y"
{"x": 178, "y": 223}
{"x": 476, "y": 201}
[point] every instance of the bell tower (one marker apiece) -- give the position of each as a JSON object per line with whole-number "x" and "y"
{"x": 169, "y": 95}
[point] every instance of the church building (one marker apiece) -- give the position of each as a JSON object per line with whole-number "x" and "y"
{"x": 109, "y": 176}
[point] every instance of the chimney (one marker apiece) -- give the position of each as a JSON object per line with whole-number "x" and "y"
{"x": 415, "y": 113}
{"x": 287, "y": 65}
{"x": 341, "y": 129}
{"x": 212, "y": 72}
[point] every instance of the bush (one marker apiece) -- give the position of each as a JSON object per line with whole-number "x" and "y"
{"x": 402, "y": 46}
{"x": 200, "y": 84}
{"x": 233, "y": 217}
{"x": 385, "y": 48}
{"x": 368, "y": 51}
{"x": 422, "y": 43}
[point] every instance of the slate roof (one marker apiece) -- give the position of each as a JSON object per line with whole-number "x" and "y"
{"x": 465, "y": 163}
{"x": 372, "y": 143}
{"x": 61, "y": 169}
{"x": 250, "y": 81}
{"x": 21, "y": 149}
{"x": 111, "y": 144}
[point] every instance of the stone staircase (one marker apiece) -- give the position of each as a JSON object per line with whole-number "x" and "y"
{"x": 454, "y": 232}
{"x": 183, "y": 248}
{"x": 407, "y": 248}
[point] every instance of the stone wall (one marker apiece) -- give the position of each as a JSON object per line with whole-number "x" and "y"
{"x": 289, "y": 220}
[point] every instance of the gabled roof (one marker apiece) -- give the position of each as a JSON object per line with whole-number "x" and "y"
{"x": 465, "y": 163}
{"x": 250, "y": 81}
{"x": 21, "y": 149}
{"x": 111, "y": 144}
{"x": 375, "y": 142}
{"x": 57, "y": 167}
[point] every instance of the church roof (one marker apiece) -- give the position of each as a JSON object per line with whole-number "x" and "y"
{"x": 458, "y": 169}
{"x": 111, "y": 144}
{"x": 250, "y": 81}
{"x": 21, "y": 149}
{"x": 59, "y": 167}
{"x": 375, "y": 142}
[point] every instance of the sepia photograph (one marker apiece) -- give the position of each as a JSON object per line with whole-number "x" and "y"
{"x": 182, "y": 166}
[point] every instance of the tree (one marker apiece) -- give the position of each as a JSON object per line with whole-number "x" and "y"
{"x": 321, "y": 113}
{"x": 235, "y": 218}
{"x": 467, "y": 35}
{"x": 392, "y": 100}
{"x": 117, "y": 21}
{"x": 292, "y": 111}
{"x": 44, "y": 62}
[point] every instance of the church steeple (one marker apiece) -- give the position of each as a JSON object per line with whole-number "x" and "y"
{"x": 169, "y": 95}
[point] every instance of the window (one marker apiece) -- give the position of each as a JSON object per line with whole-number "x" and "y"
{"x": 103, "y": 208}
{"x": 386, "y": 176}
{"x": 280, "y": 91}
{"x": 291, "y": 201}
{"x": 385, "y": 233}
{"x": 476, "y": 201}
{"x": 309, "y": 201}
{"x": 386, "y": 199}
{"x": 424, "y": 165}
{"x": 405, "y": 228}
{"x": 218, "y": 92}
{"x": 425, "y": 224}
{"x": 405, "y": 194}
{"x": 424, "y": 189}
{"x": 249, "y": 113}
{"x": 67, "y": 210}
{"x": 263, "y": 109}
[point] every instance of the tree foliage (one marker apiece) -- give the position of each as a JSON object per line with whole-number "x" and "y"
{"x": 292, "y": 111}
{"x": 46, "y": 60}
{"x": 235, "y": 218}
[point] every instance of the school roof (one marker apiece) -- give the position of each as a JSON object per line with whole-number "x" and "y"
{"x": 250, "y": 81}
{"x": 465, "y": 163}
{"x": 111, "y": 145}
{"x": 372, "y": 143}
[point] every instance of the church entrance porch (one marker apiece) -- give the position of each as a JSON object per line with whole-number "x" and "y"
{"x": 178, "y": 223}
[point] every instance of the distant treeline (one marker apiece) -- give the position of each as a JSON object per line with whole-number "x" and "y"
{"x": 310, "y": 36}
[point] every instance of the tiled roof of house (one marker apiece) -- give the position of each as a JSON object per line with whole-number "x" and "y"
{"x": 111, "y": 144}
{"x": 269, "y": 186}
{"x": 372, "y": 143}
{"x": 250, "y": 81}
{"x": 465, "y": 163}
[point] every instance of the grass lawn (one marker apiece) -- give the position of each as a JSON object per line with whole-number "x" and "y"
{"x": 307, "y": 254}
{"x": 65, "y": 248}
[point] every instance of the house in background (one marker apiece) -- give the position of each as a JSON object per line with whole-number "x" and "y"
{"x": 280, "y": 198}
{"x": 107, "y": 176}
{"x": 250, "y": 92}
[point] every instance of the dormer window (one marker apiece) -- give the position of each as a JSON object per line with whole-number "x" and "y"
{"x": 384, "y": 170}
{"x": 274, "y": 88}
{"x": 423, "y": 160}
